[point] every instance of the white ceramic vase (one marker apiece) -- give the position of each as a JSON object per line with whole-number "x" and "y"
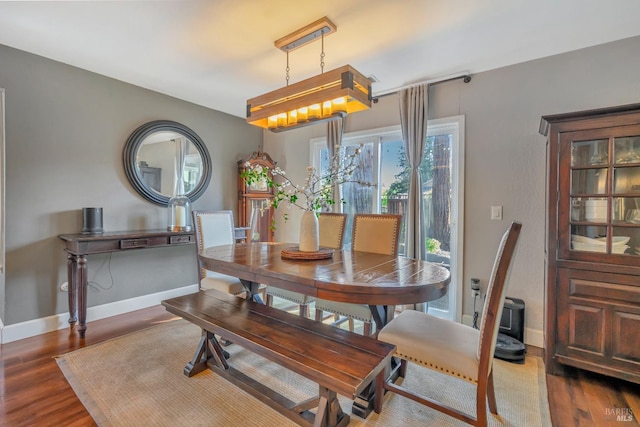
{"x": 309, "y": 234}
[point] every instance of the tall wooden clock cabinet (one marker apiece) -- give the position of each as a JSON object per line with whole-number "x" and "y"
{"x": 592, "y": 301}
{"x": 253, "y": 200}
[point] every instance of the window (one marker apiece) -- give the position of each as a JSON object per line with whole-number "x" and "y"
{"x": 382, "y": 161}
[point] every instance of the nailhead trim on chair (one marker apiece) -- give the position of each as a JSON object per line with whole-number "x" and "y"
{"x": 272, "y": 292}
{"x": 347, "y": 315}
{"x": 435, "y": 367}
{"x": 381, "y": 218}
{"x": 333, "y": 218}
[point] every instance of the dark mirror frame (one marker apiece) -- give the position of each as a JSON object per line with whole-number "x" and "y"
{"x": 133, "y": 172}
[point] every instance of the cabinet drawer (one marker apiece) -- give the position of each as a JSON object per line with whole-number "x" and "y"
{"x": 134, "y": 243}
{"x": 610, "y": 287}
{"x": 143, "y": 242}
{"x": 175, "y": 240}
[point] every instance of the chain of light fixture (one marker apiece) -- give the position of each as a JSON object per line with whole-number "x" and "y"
{"x": 287, "y": 69}
{"x": 322, "y": 54}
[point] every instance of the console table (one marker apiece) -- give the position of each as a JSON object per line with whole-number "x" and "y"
{"x": 78, "y": 246}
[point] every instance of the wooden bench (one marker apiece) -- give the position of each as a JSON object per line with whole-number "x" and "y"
{"x": 339, "y": 361}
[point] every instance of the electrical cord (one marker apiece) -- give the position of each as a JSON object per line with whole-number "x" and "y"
{"x": 475, "y": 287}
{"x": 475, "y": 312}
{"x": 96, "y": 285}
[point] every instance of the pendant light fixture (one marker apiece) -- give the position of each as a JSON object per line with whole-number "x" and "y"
{"x": 324, "y": 97}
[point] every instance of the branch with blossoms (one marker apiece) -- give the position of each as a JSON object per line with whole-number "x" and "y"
{"x": 316, "y": 193}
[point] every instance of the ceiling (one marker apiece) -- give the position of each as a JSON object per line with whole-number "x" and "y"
{"x": 219, "y": 53}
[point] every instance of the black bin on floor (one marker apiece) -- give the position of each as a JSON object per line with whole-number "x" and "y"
{"x": 510, "y": 344}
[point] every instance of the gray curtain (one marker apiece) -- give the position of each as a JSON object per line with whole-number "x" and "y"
{"x": 413, "y": 122}
{"x": 335, "y": 129}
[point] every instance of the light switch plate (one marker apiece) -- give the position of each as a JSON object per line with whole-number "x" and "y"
{"x": 496, "y": 212}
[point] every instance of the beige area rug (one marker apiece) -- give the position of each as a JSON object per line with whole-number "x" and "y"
{"x": 137, "y": 380}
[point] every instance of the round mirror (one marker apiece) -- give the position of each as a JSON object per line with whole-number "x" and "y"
{"x": 163, "y": 159}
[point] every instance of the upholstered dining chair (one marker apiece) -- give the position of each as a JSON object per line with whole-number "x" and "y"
{"x": 300, "y": 299}
{"x": 215, "y": 228}
{"x": 376, "y": 233}
{"x": 331, "y": 227}
{"x": 453, "y": 348}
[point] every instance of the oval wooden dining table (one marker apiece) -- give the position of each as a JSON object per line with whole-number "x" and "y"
{"x": 379, "y": 281}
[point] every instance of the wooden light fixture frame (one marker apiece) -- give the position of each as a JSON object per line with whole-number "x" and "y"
{"x": 310, "y": 101}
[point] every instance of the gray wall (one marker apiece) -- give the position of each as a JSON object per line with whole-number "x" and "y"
{"x": 65, "y": 133}
{"x": 66, "y": 129}
{"x": 504, "y": 153}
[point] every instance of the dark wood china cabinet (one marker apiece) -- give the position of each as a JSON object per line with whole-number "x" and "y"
{"x": 592, "y": 307}
{"x": 253, "y": 200}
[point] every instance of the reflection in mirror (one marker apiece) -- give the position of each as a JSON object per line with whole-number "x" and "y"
{"x": 158, "y": 163}
{"x": 165, "y": 158}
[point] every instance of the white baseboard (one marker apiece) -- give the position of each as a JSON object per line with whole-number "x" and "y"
{"x": 43, "y": 325}
{"x": 534, "y": 337}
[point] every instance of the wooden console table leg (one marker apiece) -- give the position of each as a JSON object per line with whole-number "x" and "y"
{"x": 72, "y": 266}
{"x": 81, "y": 289}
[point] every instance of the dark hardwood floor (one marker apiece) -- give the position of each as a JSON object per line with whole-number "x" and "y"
{"x": 33, "y": 391}
{"x": 582, "y": 398}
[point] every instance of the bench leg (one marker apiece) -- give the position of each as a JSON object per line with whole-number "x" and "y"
{"x": 364, "y": 404}
{"x": 209, "y": 350}
{"x": 377, "y": 400}
{"x": 329, "y": 412}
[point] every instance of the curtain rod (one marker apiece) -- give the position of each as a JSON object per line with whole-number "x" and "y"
{"x": 466, "y": 78}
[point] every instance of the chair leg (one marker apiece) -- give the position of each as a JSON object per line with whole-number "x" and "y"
{"x": 320, "y": 316}
{"x": 403, "y": 368}
{"x": 304, "y": 310}
{"x": 351, "y": 324}
{"x": 366, "y": 329}
{"x": 491, "y": 396}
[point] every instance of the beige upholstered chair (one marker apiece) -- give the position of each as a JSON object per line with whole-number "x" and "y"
{"x": 453, "y": 348}
{"x": 215, "y": 228}
{"x": 377, "y": 233}
{"x": 331, "y": 227}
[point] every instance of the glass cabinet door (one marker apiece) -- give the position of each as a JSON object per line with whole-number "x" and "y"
{"x": 604, "y": 193}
